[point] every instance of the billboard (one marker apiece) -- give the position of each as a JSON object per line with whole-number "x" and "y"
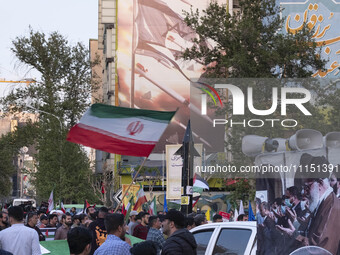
{"x": 151, "y": 73}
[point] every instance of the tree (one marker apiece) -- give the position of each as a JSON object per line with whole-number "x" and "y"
{"x": 60, "y": 97}
{"x": 250, "y": 44}
{"x": 102, "y": 185}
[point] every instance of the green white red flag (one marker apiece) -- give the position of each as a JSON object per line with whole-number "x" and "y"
{"x": 50, "y": 203}
{"x": 141, "y": 199}
{"x": 152, "y": 207}
{"x": 120, "y": 130}
{"x": 62, "y": 207}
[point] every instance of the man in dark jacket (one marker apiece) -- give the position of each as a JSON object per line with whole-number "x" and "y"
{"x": 32, "y": 220}
{"x": 98, "y": 230}
{"x": 180, "y": 240}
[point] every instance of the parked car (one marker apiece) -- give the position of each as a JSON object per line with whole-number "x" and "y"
{"x": 20, "y": 201}
{"x": 232, "y": 238}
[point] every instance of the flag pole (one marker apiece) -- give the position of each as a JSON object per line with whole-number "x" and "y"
{"x": 133, "y": 60}
{"x": 133, "y": 180}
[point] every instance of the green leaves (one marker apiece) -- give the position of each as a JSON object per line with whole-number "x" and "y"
{"x": 59, "y": 97}
{"x": 250, "y": 44}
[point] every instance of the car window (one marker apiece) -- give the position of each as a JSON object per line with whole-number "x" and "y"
{"x": 202, "y": 239}
{"x": 232, "y": 241}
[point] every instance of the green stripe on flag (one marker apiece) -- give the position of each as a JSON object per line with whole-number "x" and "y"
{"x": 109, "y": 111}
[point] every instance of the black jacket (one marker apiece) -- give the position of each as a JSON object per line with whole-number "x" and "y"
{"x": 99, "y": 234}
{"x": 180, "y": 242}
{"x": 41, "y": 235}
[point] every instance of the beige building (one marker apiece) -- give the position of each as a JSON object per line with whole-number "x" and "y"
{"x": 105, "y": 49}
{"x": 22, "y": 186}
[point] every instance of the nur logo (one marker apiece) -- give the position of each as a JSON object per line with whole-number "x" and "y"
{"x": 238, "y": 99}
{"x": 204, "y": 97}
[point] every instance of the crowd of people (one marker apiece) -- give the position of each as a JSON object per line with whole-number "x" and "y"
{"x": 100, "y": 231}
{"x": 307, "y": 215}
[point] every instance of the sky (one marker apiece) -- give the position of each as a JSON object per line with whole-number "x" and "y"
{"x": 77, "y": 20}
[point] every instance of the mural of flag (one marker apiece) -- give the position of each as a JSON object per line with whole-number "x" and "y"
{"x": 155, "y": 20}
{"x": 50, "y": 203}
{"x": 120, "y": 130}
{"x": 141, "y": 199}
{"x": 251, "y": 216}
{"x": 199, "y": 182}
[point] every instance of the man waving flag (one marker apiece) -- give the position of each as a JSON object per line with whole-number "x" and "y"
{"x": 120, "y": 130}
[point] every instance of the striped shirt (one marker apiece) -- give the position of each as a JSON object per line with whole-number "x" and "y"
{"x": 113, "y": 245}
{"x": 156, "y": 236}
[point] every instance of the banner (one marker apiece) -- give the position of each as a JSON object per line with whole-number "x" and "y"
{"x": 174, "y": 165}
{"x": 151, "y": 73}
{"x": 131, "y": 193}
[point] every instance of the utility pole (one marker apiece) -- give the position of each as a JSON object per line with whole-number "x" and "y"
{"x": 187, "y": 151}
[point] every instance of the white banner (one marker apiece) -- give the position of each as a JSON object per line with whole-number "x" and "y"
{"x": 174, "y": 165}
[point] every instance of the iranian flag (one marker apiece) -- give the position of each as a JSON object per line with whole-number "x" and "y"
{"x": 141, "y": 199}
{"x": 120, "y": 130}
{"x": 50, "y": 203}
{"x": 152, "y": 207}
{"x": 128, "y": 208}
{"x": 62, "y": 207}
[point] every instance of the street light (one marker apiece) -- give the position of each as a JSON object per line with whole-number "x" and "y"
{"x": 23, "y": 151}
{"x": 28, "y": 105}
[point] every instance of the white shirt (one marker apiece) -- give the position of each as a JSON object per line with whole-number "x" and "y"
{"x": 20, "y": 240}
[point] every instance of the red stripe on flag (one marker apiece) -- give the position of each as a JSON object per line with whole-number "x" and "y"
{"x": 106, "y": 143}
{"x": 140, "y": 202}
{"x": 123, "y": 210}
{"x": 87, "y": 204}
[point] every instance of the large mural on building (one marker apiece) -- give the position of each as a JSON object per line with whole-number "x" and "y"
{"x": 151, "y": 73}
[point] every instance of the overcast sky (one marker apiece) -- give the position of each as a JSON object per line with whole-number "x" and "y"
{"x": 75, "y": 19}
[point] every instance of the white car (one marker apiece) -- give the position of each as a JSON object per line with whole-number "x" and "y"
{"x": 19, "y": 201}
{"x": 232, "y": 238}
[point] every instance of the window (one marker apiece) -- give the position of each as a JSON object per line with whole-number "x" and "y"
{"x": 232, "y": 241}
{"x": 202, "y": 239}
